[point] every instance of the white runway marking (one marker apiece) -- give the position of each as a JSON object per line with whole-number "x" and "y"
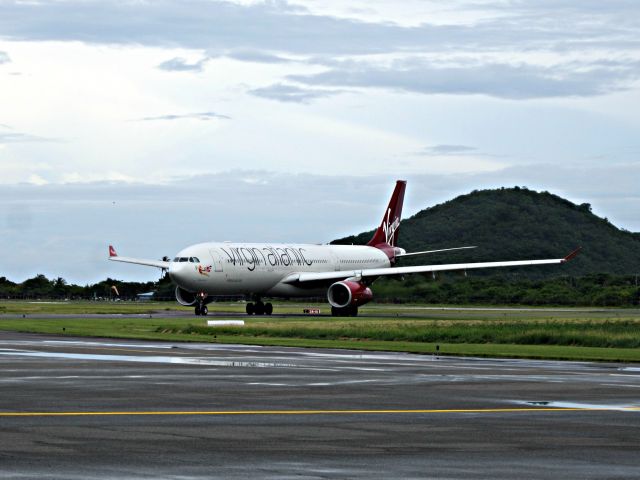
{"x": 146, "y": 359}
{"x": 619, "y": 385}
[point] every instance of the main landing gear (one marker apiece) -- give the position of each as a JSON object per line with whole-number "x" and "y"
{"x": 349, "y": 311}
{"x": 259, "y": 308}
{"x": 202, "y": 310}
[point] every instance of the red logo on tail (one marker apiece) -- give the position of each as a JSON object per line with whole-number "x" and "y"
{"x": 112, "y": 251}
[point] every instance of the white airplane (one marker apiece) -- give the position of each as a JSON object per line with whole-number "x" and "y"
{"x": 343, "y": 272}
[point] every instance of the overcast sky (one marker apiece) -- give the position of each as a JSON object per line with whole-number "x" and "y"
{"x": 152, "y": 125}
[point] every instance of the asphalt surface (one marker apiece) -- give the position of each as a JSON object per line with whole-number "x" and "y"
{"x": 74, "y": 408}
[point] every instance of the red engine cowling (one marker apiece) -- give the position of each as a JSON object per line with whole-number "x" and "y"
{"x": 348, "y": 293}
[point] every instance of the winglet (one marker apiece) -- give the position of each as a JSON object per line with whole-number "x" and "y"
{"x": 112, "y": 251}
{"x": 572, "y": 255}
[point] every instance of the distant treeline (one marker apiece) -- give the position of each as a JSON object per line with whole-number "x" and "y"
{"x": 40, "y": 287}
{"x": 589, "y": 290}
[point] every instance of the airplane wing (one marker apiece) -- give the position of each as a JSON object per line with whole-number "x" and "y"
{"x": 379, "y": 272}
{"x": 138, "y": 261}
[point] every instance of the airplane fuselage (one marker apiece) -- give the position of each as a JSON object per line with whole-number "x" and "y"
{"x": 259, "y": 268}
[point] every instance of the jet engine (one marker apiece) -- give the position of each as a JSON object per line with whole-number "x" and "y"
{"x": 345, "y": 297}
{"x": 185, "y": 298}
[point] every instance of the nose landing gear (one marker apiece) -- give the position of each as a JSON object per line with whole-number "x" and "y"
{"x": 201, "y": 308}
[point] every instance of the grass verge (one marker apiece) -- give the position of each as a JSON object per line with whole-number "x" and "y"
{"x": 570, "y": 335}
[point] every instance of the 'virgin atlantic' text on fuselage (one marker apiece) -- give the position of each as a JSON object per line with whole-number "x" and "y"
{"x": 253, "y": 256}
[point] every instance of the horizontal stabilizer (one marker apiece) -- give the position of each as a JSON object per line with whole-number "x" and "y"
{"x": 573, "y": 254}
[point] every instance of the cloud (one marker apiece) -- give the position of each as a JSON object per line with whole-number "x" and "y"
{"x": 18, "y": 137}
{"x": 256, "y": 56}
{"x": 522, "y": 81}
{"x": 500, "y": 36}
{"x": 179, "y": 64}
{"x": 193, "y": 24}
{"x": 204, "y": 116}
{"x": 203, "y": 24}
{"x": 291, "y": 93}
{"x": 437, "y": 150}
{"x": 4, "y": 57}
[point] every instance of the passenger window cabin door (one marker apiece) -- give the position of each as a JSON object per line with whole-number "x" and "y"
{"x": 217, "y": 260}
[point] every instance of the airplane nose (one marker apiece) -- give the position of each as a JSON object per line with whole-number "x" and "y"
{"x": 177, "y": 273}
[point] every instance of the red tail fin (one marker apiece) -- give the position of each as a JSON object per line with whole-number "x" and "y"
{"x": 389, "y": 229}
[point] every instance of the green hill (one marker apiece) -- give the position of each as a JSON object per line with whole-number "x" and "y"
{"x": 517, "y": 223}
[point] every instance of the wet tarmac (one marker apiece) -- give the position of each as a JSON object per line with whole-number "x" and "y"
{"x": 76, "y": 408}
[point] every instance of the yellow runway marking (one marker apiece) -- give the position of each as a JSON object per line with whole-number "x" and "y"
{"x": 311, "y": 412}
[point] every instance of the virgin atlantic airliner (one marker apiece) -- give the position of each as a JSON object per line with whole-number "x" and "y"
{"x": 344, "y": 273}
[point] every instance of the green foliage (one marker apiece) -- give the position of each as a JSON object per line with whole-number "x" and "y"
{"x": 41, "y": 287}
{"x": 590, "y": 290}
{"x": 517, "y": 223}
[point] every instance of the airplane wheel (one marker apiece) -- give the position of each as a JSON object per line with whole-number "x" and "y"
{"x": 204, "y": 310}
{"x": 250, "y": 309}
{"x": 268, "y": 309}
{"x": 197, "y": 310}
{"x": 259, "y": 308}
{"x": 350, "y": 311}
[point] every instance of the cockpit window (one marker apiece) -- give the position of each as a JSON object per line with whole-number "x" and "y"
{"x": 177, "y": 259}
{"x": 195, "y": 259}
{"x": 184, "y": 259}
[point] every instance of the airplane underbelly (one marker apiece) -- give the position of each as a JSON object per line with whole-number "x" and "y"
{"x": 234, "y": 282}
{"x": 285, "y": 290}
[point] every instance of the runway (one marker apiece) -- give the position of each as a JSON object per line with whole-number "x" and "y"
{"x": 91, "y": 408}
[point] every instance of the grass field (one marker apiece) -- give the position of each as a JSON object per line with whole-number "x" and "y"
{"x": 585, "y": 334}
{"x": 80, "y": 307}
